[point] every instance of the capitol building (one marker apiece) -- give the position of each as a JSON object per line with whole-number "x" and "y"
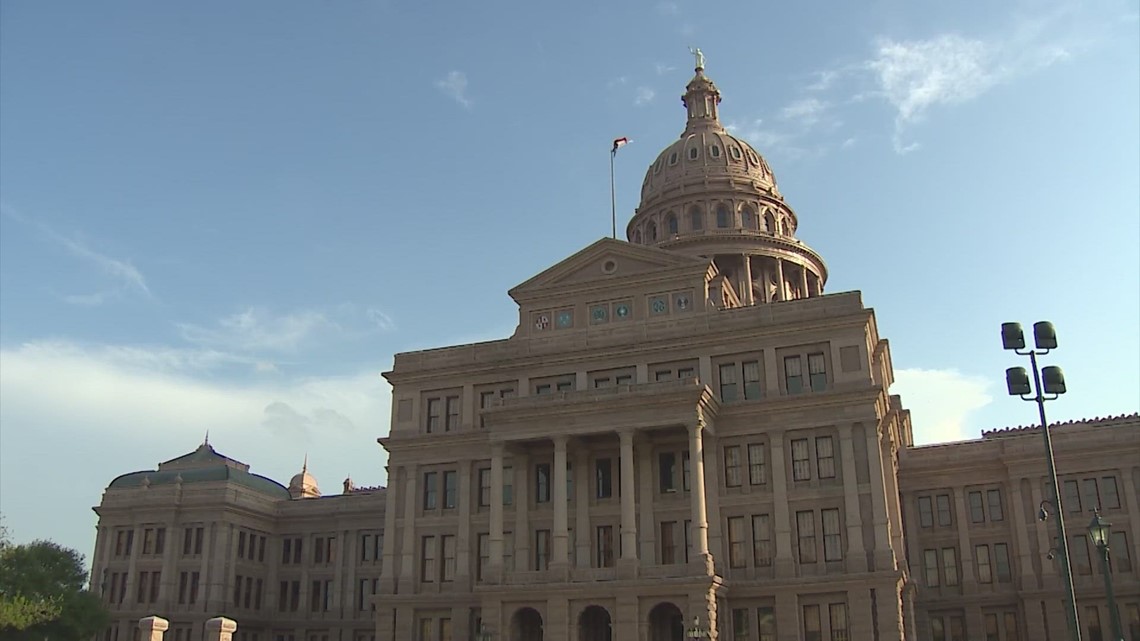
{"x": 684, "y": 431}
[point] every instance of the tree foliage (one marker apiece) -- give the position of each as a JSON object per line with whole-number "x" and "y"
{"x": 42, "y": 594}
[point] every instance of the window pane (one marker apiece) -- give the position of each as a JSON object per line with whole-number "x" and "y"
{"x": 728, "y": 391}
{"x": 805, "y": 527}
{"x": 832, "y": 540}
{"x": 756, "y": 463}
{"x": 977, "y": 512}
{"x": 949, "y": 566}
{"x": 982, "y": 556}
{"x": 812, "y": 630}
{"x": 801, "y": 463}
{"x": 943, "y": 502}
{"x": 761, "y": 541}
{"x": 930, "y": 565}
{"x": 732, "y": 466}
{"x": 1109, "y": 497}
{"x": 825, "y": 457}
{"x": 838, "y": 619}
{"x": 925, "y": 511}
{"x": 737, "y": 555}
{"x": 993, "y": 498}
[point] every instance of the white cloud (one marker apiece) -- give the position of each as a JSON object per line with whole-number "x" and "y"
{"x": 123, "y": 272}
{"x": 454, "y": 85}
{"x": 941, "y": 402}
{"x": 643, "y": 96}
{"x": 97, "y": 412}
{"x": 806, "y": 111}
{"x": 662, "y": 68}
{"x": 617, "y": 82}
{"x": 256, "y": 330}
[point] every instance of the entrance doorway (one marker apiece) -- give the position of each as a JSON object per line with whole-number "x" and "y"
{"x": 526, "y": 625}
{"x": 594, "y": 624}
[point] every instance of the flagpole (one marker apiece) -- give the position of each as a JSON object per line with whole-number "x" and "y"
{"x": 613, "y": 199}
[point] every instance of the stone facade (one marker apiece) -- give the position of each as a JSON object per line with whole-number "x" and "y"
{"x": 683, "y": 430}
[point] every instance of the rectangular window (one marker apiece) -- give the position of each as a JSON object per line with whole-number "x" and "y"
{"x": 1109, "y": 496}
{"x": 433, "y": 415}
{"x": 740, "y": 625}
{"x": 930, "y": 566}
{"x": 600, "y": 382}
{"x": 812, "y": 630}
{"x": 825, "y": 457}
{"x": 957, "y": 628}
{"x": 452, "y": 414}
{"x": 484, "y": 543}
{"x": 541, "y": 549}
{"x": 937, "y": 629}
{"x": 766, "y": 623}
{"x": 425, "y": 630}
{"x": 603, "y": 478}
{"x": 427, "y": 559}
{"x": 977, "y": 509}
{"x": 564, "y": 386}
{"x": 1001, "y": 563}
{"x": 793, "y": 374}
{"x": 832, "y": 540}
{"x": 944, "y": 518}
{"x": 737, "y": 553}
{"x": 817, "y": 372}
{"x": 1118, "y": 544}
{"x": 761, "y": 541}
{"x": 1012, "y": 630}
{"x": 728, "y": 390}
{"x": 982, "y": 556}
{"x": 667, "y": 473}
{"x": 805, "y": 529}
{"x": 668, "y": 542}
{"x": 1090, "y": 494}
{"x": 801, "y": 460}
{"x": 837, "y": 614}
{"x": 542, "y": 389}
{"x": 1092, "y": 623}
{"x": 950, "y": 566}
{"x": 431, "y": 491}
{"x": 925, "y": 511}
{"x": 1082, "y": 562}
{"x": 685, "y": 470}
{"x": 450, "y": 489}
{"x": 993, "y": 502}
{"x": 605, "y": 546}
{"x": 732, "y": 466}
{"x": 1072, "y": 500}
{"x": 240, "y": 550}
{"x": 992, "y": 628}
{"x": 508, "y": 486}
{"x": 751, "y": 379}
{"x": 757, "y": 461}
{"x": 542, "y": 483}
{"x": 447, "y": 542}
{"x": 485, "y": 487}
{"x": 663, "y": 375}
{"x": 508, "y": 550}
{"x": 685, "y": 373}
{"x": 486, "y": 400}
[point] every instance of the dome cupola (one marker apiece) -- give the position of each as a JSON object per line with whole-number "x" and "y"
{"x": 711, "y": 194}
{"x": 303, "y": 485}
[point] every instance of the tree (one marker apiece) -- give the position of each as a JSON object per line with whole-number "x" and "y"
{"x": 42, "y": 594}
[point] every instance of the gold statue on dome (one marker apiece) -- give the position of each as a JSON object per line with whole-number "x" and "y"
{"x": 698, "y": 56}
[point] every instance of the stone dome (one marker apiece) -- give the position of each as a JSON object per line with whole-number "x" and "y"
{"x": 711, "y": 194}
{"x": 304, "y": 485}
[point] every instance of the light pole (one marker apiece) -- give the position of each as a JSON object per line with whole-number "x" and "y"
{"x": 1017, "y": 381}
{"x": 695, "y": 631}
{"x": 1099, "y": 532}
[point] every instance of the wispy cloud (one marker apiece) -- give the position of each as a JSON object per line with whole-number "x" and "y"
{"x": 942, "y": 402}
{"x": 806, "y": 111}
{"x": 256, "y": 330}
{"x": 454, "y": 85}
{"x": 662, "y": 68}
{"x": 126, "y": 276}
{"x": 643, "y": 96}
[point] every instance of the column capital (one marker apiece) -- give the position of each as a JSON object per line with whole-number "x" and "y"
{"x": 560, "y": 441}
{"x": 625, "y": 436}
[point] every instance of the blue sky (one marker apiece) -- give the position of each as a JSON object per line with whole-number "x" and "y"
{"x": 229, "y": 216}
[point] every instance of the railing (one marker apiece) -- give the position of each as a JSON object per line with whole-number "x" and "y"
{"x": 599, "y": 393}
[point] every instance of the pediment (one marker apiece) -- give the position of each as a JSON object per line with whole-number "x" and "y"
{"x": 607, "y": 260}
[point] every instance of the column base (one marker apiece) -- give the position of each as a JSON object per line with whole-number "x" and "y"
{"x": 559, "y": 571}
{"x": 627, "y": 568}
{"x": 885, "y": 560}
{"x": 784, "y": 567}
{"x": 703, "y": 565}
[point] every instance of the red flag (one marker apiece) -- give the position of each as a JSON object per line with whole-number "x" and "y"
{"x": 620, "y": 142}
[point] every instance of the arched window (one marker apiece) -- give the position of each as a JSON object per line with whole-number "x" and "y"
{"x": 671, "y": 224}
{"x": 769, "y": 222}
{"x": 696, "y": 220}
{"x": 637, "y": 236}
{"x": 747, "y": 217}
{"x": 693, "y": 153}
{"x": 714, "y": 151}
{"x": 672, "y": 159}
{"x": 722, "y": 216}
{"x": 651, "y": 232}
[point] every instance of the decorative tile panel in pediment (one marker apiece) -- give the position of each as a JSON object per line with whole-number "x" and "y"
{"x": 607, "y": 261}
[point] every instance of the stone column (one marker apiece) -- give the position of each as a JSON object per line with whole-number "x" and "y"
{"x": 781, "y": 286}
{"x": 132, "y": 566}
{"x": 803, "y": 282}
{"x": 218, "y": 587}
{"x": 856, "y": 552}
{"x": 495, "y": 537}
{"x": 966, "y": 551}
{"x": 408, "y": 543}
{"x": 522, "y": 513}
{"x": 647, "y": 525}
{"x": 819, "y": 286}
{"x": 220, "y": 629}
{"x": 167, "y": 580}
{"x": 204, "y": 572}
{"x": 582, "y": 536}
{"x": 388, "y": 571}
{"x": 463, "y": 538}
{"x": 152, "y": 628}
{"x": 884, "y": 555}
{"x": 1028, "y": 579}
{"x": 747, "y": 293}
{"x": 784, "y": 563}
{"x": 628, "y": 501}
{"x": 561, "y": 536}
{"x": 699, "y": 517}
{"x": 764, "y": 297}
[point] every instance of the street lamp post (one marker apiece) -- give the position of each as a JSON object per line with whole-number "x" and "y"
{"x": 1048, "y": 384}
{"x": 1099, "y": 532}
{"x": 695, "y": 631}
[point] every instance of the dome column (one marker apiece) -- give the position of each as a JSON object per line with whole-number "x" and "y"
{"x": 781, "y": 285}
{"x": 804, "y": 282}
{"x": 749, "y": 295}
